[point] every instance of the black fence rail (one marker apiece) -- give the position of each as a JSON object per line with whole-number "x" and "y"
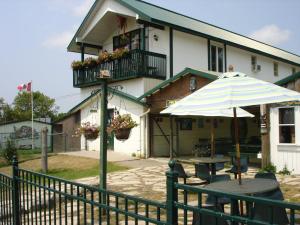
{"x": 6, "y": 199}
{"x": 138, "y": 63}
{"x": 33, "y": 198}
{"x": 45, "y": 199}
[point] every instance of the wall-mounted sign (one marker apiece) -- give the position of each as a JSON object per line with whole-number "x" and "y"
{"x": 170, "y": 102}
{"x": 104, "y": 74}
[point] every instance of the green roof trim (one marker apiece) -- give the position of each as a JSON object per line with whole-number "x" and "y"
{"x": 126, "y": 96}
{"x": 185, "y": 72}
{"x": 165, "y": 17}
{"x": 288, "y": 79}
{"x": 110, "y": 90}
{"x": 178, "y": 21}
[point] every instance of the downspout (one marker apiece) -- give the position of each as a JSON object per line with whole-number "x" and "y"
{"x": 142, "y": 116}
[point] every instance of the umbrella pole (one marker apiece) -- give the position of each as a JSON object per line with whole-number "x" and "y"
{"x": 212, "y": 138}
{"x": 237, "y": 145}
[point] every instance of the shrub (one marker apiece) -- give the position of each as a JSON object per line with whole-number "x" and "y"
{"x": 285, "y": 171}
{"x": 269, "y": 168}
{"x": 9, "y": 151}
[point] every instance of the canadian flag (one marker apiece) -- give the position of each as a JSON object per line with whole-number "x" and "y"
{"x": 25, "y": 87}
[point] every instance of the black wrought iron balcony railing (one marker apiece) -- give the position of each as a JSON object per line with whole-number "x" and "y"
{"x": 137, "y": 63}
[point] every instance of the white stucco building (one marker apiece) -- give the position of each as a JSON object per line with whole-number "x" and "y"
{"x": 164, "y": 48}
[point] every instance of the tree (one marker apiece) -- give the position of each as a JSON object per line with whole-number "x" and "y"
{"x": 6, "y": 111}
{"x": 43, "y": 106}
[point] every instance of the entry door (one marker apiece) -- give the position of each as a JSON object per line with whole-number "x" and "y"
{"x": 111, "y": 136}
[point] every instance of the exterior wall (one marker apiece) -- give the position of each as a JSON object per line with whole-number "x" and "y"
{"x": 187, "y": 139}
{"x": 136, "y": 142}
{"x": 162, "y": 45}
{"x": 175, "y": 91}
{"x": 131, "y": 25}
{"x": 284, "y": 154}
{"x": 23, "y": 139}
{"x": 241, "y": 60}
{"x": 64, "y": 140}
{"x": 103, "y": 8}
{"x": 135, "y": 87}
{"x": 189, "y": 51}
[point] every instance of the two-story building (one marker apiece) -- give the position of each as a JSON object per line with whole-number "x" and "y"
{"x": 170, "y": 55}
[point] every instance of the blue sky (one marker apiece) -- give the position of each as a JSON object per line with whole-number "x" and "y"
{"x": 35, "y": 33}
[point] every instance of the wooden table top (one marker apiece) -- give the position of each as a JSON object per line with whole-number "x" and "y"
{"x": 249, "y": 186}
{"x": 206, "y": 160}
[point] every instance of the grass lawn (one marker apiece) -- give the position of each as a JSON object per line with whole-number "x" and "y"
{"x": 67, "y": 167}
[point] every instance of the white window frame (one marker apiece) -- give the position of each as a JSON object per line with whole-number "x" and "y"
{"x": 276, "y": 71}
{"x": 221, "y": 46}
{"x": 285, "y": 125}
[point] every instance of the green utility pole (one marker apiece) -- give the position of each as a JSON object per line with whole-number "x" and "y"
{"x": 103, "y": 135}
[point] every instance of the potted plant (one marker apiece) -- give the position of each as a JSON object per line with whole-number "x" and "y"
{"x": 121, "y": 126}
{"x": 90, "y": 132}
{"x": 90, "y": 62}
{"x": 77, "y": 65}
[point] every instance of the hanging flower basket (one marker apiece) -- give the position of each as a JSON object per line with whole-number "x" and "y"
{"x": 90, "y": 132}
{"x": 122, "y": 134}
{"x": 121, "y": 126}
{"x": 91, "y": 136}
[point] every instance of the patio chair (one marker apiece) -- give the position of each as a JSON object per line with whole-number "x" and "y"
{"x": 202, "y": 172}
{"x": 220, "y": 201}
{"x": 262, "y": 212}
{"x": 204, "y": 219}
{"x": 234, "y": 169}
{"x": 219, "y": 166}
{"x": 181, "y": 172}
{"x": 267, "y": 175}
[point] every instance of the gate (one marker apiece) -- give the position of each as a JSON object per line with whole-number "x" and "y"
{"x": 32, "y": 198}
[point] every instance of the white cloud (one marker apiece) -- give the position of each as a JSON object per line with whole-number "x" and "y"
{"x": 83, "y": 8}
{"x": 271, "y": 34}
{"x": 59, "y": 40}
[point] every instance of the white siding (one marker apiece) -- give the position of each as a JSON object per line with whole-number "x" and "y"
{"x": 136, "y": 142}
{"x": 241, "y": 60}
{"x": 107, "y": 5}
{"x": 162, "y": 45}
{"x": 284, "y": 154}
{"x": 189, "y": 51}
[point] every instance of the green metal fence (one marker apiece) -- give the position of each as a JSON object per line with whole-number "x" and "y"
{"x": 33, "y": 198}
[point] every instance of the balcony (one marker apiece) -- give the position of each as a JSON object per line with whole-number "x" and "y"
{"x": 138, "y": 63}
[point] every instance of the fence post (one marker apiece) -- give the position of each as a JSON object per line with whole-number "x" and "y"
{"x": 44, "y": 150}
{"x": 172, "y": 195}
{"x": 15, "y": 192}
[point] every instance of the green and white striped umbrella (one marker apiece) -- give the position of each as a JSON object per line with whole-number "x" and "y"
{"x": 211, "y": 113}
{"x": 231, "y": 90}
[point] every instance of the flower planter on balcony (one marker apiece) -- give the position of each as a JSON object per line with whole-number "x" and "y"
{"x": 137, "y": 63}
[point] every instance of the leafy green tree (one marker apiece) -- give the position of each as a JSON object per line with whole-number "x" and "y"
{"x": 43, "y": 106}
{"x": 6, "y": 111}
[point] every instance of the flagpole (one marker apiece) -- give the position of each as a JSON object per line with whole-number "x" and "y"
{"x": 32, "y": 129}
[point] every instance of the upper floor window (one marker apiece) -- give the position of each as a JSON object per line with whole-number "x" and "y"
{"x": 217, "y": 58}
{"x": 275, "y": 66}
{"x": 286, "y": 125}
{"x": 130, "y": 40}
{"x": 253, "y": 62}
{"x": 293, "y": 70}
